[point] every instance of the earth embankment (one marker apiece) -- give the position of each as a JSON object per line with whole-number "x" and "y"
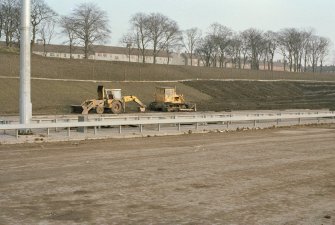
{"x": 59, "y": 83}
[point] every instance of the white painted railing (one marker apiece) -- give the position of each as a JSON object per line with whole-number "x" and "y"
{"x": 160, "y": 119}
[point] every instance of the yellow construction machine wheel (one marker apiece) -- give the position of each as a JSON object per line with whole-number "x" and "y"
{"x": 116, "y": 107}
{"x": 100, "y": 109}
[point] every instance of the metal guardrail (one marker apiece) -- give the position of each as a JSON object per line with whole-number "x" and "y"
{"x": 194, "y": 118}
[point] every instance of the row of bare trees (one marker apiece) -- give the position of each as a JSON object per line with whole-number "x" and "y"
{"x": 87, "y": 25}
{"x": 155, "y": 31}
{"x": 43, "y": 21}
{"x": 299, "y": 49}
{"x": 220, "y": 45}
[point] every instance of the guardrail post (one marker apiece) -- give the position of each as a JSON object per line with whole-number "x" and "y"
{"x": 17, "y": 134}
{"x": 120, "y": 129}
{"x": 68, "y": 132}
{"x": 159, "y": 127}
{"x": 179, "y": 128}
{"x": 254, "y": 123}
{"x": 227, "y": 124}
{"x": 100, "y": 119}
{"x": 141, "y": 128}
{"x": 82, "y": 118}
{"x": 95, "y": 130}
{"x": 196, "y": 126}
{"x": 48, "y": 132}
{"x": 55, "y": 127}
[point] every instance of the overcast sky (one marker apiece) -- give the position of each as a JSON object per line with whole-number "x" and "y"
{"x": 236, "y": 14}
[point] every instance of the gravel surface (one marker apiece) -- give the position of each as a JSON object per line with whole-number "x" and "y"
{"x": 279, "y": 176}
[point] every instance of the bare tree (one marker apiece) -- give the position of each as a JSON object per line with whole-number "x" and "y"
{"x": 154, "y": 30}
{"x": 68, "y": 28}
{"x": 287, "y": 39}
{"x": 297, "y": 46}
{"x": 221, "y": 36}
{"x": 254, "y": 43}
{"x": 271, "y": 41}
{"x": 40, "y": 12}
{"x": 244, "y": 49}
{"x": 90, "y": 25}
{"x": 190, "y": 41}
{"x": 139, "y": 24}
{"x": 235, "y": 50}
{"x": 207, "y": 51}
{"x": 323, "y": 50}
{"x": 172, "y": 40}
{"x": 128, "y": 41}
{"x": 314, "y": 50}
{"x": 161, "y": 31}
{"x": 306, "y": 47}
{"x": 10, "y": 20}
{"x": 47, "y": 32}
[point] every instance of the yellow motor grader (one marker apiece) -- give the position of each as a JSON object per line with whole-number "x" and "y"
{"x": 110, "y": 100}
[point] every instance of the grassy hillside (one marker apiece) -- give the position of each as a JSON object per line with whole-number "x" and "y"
{"x": 121, "y": 71}
{"x": 244, "y": 95}
{"x": 55, "y": 97}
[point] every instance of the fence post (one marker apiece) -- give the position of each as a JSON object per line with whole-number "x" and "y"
{"x": 55, "y": 127}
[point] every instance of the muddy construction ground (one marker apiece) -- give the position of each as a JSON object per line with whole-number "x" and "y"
{"x": 279, "y": 176}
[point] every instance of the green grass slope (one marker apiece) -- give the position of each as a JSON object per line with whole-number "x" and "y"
{"x": 56, "y": 96}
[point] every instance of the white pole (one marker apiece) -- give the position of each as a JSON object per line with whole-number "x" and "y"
{"x": 25, "y": 90}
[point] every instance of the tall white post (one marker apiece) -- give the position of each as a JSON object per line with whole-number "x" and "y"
{"x": 25, "y": 90}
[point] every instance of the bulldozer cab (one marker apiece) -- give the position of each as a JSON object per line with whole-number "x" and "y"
{"x": 168, "y": 94}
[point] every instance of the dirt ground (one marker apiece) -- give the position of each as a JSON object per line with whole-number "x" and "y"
{"x": 279, "y": 176}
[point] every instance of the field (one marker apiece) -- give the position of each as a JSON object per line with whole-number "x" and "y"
{"x": 58, "y": 83}
{"x": 279, "y": 176}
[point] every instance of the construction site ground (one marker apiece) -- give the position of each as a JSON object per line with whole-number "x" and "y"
{"x": 277, "y": 176}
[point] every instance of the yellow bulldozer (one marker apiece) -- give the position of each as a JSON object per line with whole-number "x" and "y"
{"x": 110, "y": 100}
{"x": 167, "y": 100}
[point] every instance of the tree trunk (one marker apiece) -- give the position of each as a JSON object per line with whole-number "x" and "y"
{"x": 191, "y": 56}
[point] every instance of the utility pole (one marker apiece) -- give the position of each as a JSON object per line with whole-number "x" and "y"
{"x": 25, "y": 82}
